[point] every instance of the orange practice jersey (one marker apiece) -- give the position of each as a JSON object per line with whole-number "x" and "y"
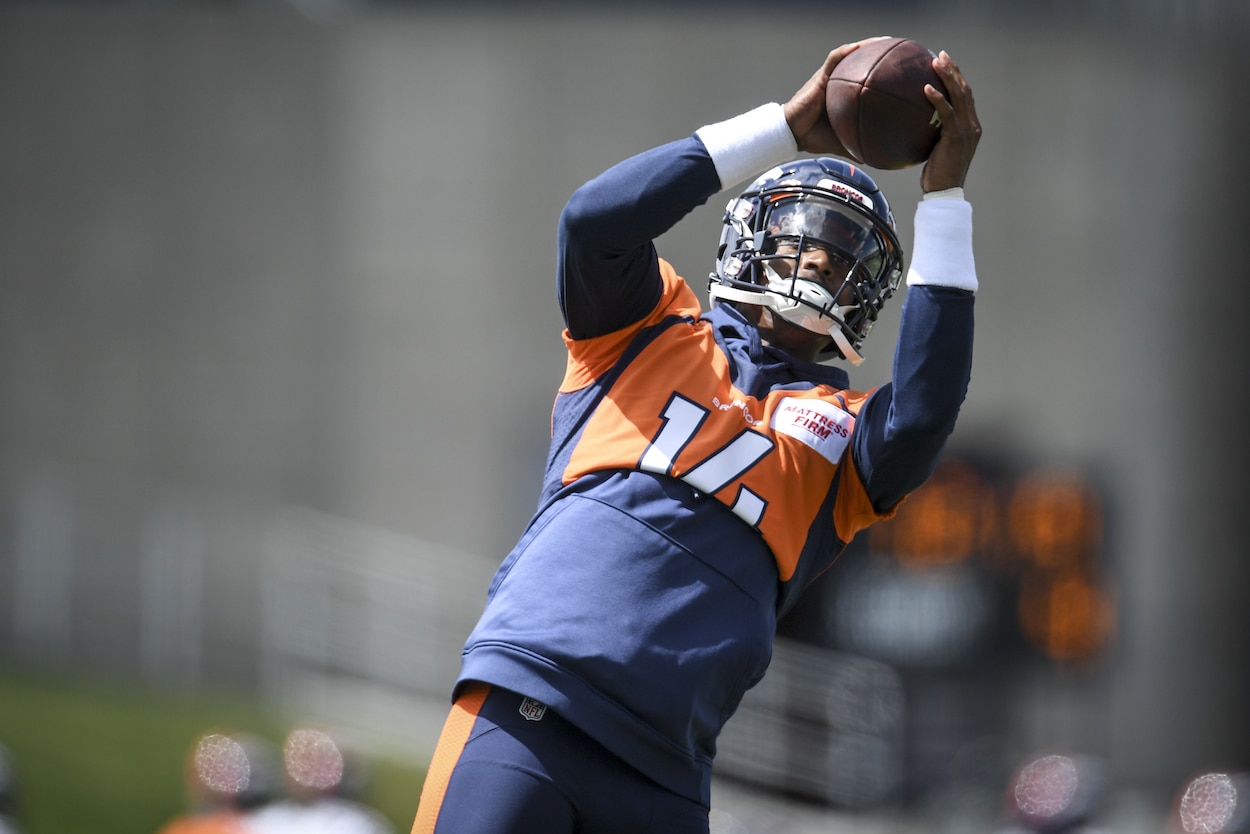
{"x": 674, "y": 410}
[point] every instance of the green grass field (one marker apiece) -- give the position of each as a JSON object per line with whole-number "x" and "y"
{"x": 101, "y": 759}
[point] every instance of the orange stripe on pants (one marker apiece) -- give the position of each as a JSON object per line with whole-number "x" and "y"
{"x": 450, "y": 744}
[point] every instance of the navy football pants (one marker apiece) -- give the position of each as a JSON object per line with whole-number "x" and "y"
{"x": 508, "y": 765}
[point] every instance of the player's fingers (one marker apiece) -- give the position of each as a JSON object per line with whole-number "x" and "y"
{"x": 836, "y": 55}
{"x": 942, "y": 107}
{"x": 956, "y": 125}
{"x": 958, "y": 101}
{"x": 953, "y": 79}
{"x": 946, "y": 65}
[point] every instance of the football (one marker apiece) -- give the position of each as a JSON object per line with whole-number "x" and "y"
{"x": 876, "y": 104}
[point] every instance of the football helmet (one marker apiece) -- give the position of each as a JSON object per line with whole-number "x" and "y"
{"x": 823, "y": 202}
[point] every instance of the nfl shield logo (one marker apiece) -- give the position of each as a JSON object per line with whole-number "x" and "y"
{"x": 532, "y": 710}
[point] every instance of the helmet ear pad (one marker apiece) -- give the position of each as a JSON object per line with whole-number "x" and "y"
{"x": 825, "y": 202}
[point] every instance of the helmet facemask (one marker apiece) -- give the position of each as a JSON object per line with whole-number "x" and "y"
{"x": 767, "y": 231}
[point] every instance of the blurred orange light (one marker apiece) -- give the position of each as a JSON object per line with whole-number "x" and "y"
{"x": 1054, "y": 520}
{"x": 1066, "y": 615}
{"x": 948, "y": 520}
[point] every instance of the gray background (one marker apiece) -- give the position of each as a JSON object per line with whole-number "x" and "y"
{"x": 258, "y": 259}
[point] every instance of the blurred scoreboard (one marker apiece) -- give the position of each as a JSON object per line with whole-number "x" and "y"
{"x": 975, "y": 567}
{"x": 982, "y": 579}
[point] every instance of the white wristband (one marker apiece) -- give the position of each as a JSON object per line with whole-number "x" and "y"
{"x": 942, "y": 255}
{"x": 955, "y": 193}
{"x": 743, "y": 146}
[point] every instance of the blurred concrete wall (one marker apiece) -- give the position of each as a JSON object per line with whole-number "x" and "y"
{"x": 255, "y": 259}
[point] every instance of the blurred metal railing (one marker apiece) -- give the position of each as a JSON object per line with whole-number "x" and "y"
{"x": 823, "y": 725}
{"x": 349, "y": 599}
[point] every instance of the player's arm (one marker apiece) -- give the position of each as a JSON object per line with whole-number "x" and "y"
{"x": 904, "y": 425}
{"x": 608, "y": 271}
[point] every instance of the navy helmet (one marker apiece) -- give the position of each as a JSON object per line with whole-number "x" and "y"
{"x": 822, "y": 202}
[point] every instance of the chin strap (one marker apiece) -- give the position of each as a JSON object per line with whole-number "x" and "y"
{"x": 723, "y": 292}
{"x": 806, "y": 319}
{"x": 849, "y": 353}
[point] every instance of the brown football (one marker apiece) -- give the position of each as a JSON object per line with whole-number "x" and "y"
{"x": 876, "y": 103}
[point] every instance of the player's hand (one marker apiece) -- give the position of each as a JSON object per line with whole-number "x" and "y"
{"x": 947, "y": 166}
{"x": 805, "y": 111}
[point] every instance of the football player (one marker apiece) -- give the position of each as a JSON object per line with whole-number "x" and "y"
{"x": 705, "y": 465}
